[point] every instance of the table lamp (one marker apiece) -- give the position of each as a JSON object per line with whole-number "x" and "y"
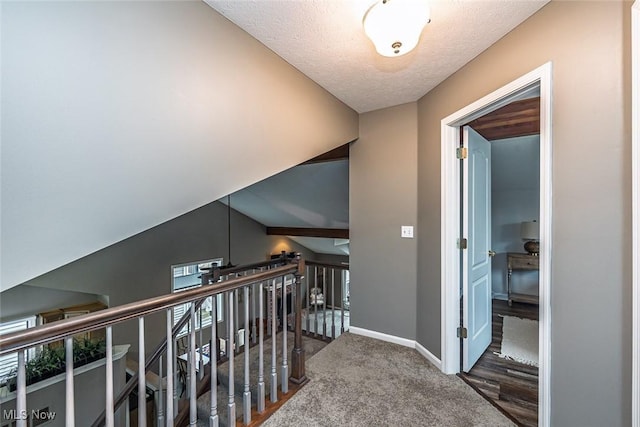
{"x": 530, "y": 231}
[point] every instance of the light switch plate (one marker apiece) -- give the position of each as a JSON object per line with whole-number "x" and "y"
{"x": 406, "y": 231}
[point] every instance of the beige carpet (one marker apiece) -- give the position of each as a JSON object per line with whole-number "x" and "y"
{"x": 360, "y": 381}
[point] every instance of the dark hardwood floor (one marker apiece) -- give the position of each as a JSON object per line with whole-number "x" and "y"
{"x": 509, "y": 385}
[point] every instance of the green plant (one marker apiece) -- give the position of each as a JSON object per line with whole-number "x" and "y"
{"x": 49, "y": 362}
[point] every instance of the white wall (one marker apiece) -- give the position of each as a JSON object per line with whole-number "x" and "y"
{"x": 515, "y": 197}
{"x": 118, "y": 116}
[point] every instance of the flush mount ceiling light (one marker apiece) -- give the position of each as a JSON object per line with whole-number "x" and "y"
{"x": 394, "y": 26}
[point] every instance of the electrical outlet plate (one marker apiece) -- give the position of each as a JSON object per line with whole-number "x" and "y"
{"x": 406, "y": 231}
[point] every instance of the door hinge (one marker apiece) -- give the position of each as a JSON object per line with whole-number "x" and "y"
{"x": 462, "y": 332}
{"x": 461, "y": 153}
{"x": 462, "y": 243}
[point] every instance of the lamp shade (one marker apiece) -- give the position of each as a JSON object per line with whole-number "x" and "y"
{"x": 394, "y": 26}
{"x": 530, "y": 230}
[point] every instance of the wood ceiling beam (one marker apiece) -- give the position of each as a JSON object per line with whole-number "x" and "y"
{"x": 340, "y": 153}
{"x": 332, "y": 233}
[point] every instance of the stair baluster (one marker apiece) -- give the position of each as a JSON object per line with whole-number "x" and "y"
{"x": 261, "y": 397}
{"x": 170, "y": 371}
{"x": 285, "y": 367}
{"x": 192, "y": 362}
{"x": 70, "y": 418}
{"x": 109, "y": 416}
{"x": 213, "y": 354}
{"x": 231, "y": 354}
{"x": 247, "y": 390}
{"x": 142, "y": 384}
{"x": 333, "y": 303}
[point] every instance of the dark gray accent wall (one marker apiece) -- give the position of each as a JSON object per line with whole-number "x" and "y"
{"x": 383, "y": 196}
{"x": 589, "y": 46}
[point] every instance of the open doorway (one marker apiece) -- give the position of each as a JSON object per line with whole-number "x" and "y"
{"x": 502, "y": 193}
{"x": 454, "y": 267}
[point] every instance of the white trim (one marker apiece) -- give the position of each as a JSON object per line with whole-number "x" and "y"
{"x": 398, "y": 340}
{"x": 382, "y": 336}
{"x": 428, "y": 355}
{"x": 635, "y": 202}
{"x": 450, "y": 223}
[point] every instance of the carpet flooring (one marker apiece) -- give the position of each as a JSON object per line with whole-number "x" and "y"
{"x": 360, "y": 381}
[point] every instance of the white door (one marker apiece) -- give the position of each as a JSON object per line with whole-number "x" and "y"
{"x": 476, "y": 261}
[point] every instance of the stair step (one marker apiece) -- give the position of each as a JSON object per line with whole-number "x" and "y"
{"x": 311, "y": 346}
{"x": 203, "y": 403}
{"x": 203, "y": 406}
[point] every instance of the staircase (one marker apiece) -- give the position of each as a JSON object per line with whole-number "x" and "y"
{"x": 311, "y": 346}
{"x": 249, "y": 386}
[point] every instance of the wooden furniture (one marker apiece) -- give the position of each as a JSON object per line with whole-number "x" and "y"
{"x": 520, "y": 262}
{"x": 73, "y": 311}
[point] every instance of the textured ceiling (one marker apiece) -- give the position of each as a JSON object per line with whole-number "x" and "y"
{"x": 325, "y": 41}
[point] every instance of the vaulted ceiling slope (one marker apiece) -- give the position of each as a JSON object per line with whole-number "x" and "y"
{"x": 118, "y": 116}
{"x": 312, "y": 195}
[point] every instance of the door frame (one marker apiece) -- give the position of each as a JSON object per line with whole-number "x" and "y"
{"x": 450, "y": 214}
{"x": 635, "y": 201}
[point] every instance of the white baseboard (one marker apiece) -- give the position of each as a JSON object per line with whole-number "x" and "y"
{"x": 500, "y": 296}
{"x": 382, "y": 337}
{"x": 429, "y": 356}
{"x": 398, "y": 340}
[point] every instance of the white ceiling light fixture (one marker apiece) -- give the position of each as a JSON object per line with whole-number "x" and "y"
{"x": 394, "y": 26}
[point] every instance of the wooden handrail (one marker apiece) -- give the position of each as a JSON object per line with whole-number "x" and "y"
{"x": 22, "y": 340}
{"x": 328, "y": 264}
{"x": 162, "y": 347}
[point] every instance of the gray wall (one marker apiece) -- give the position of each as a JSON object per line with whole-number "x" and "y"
{"x": 589, "y": 45}
{"x": 119, "y": 116}
{"x": 383, "y": 197}
{"x": 515, "y": 197}
{"x": 140, "y": 267}
{"x": 28, "y": 300}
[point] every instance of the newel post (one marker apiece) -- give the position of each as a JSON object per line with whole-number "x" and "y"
{"x": 297, "y": 354}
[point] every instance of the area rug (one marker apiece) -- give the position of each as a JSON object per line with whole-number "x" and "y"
{"x": 519, "y": 340}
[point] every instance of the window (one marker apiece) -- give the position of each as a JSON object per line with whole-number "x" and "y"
{"x": 9, "y": 362}
{"x": 187, "y": 276}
